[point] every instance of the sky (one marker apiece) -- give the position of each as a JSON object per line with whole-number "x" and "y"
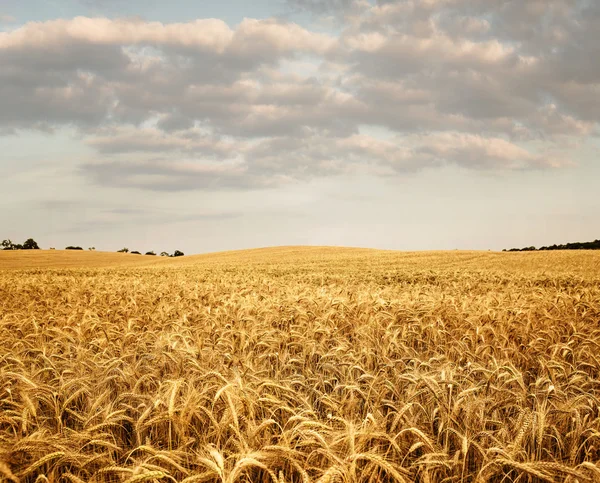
{"x": 207, "y": 126}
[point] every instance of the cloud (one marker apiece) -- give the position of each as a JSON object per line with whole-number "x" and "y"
{"x": 477, "y": 152}
{"x": 187, "y": 161}
{"x": 415, "y": 152}
{"x": 210, "y": 34}
{"x": 7, "y": 18}
{"x": 329, "y": 8}
{"x": 213, "y": 35}
{"x": 89, "y": 215}
{"x": 128, "y": 70}
{"x": 127, "y": 140}
{"x": 402, "y": 86}
{"x": 164, "y": 174}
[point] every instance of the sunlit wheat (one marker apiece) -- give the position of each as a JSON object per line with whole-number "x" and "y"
{"x": 300, "y": 365}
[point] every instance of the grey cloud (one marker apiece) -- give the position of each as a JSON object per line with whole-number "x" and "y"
{"x": 110, "y": 141}
{"x": 532, "y": 22}
{"x": 101, "y": 3}
{"x": 580, "y": 100}
{"x": 251, "y": 109}
{"x": 53, "y": 62}
{"x": 90, "y": 215}
{"x": 328, "y": 7}
{"x": 55, "y": 85}
{"x": 81, "y": 102}
{"x": 402, "y": 154}
{"x": 174, "y": 121}
{"x": 203, "y": 106}
{"x": 488, "y": 73}
{"x": 479, "y": 95}
{"x": 169, "y": 175}
{"x": 161, "y": 217}
{"x": 97, "y": 209}
{"x": 280, "y": 160}
{"x": 43, "y": 61}
{"x": 56, "y": 205}
{"x": 126, "y": 211}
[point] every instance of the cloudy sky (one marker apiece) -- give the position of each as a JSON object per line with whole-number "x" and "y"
{"x": 204, "y": 126}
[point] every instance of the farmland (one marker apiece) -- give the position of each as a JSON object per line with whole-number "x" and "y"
{"x": 300, "y": 364}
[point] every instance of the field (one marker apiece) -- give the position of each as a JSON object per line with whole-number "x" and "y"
{"x": 300, "y": 365}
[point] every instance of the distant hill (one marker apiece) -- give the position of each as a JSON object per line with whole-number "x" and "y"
{"x": 322, "y": 266}
{"x": 60, "y": 259}
{"x": 594, "y": 245}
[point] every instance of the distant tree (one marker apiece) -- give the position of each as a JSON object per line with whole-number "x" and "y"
{"x": 30, "y": 244}
{"x": 136, "y": 253}
{"x": 123, "y": 250}
{"x": 150, "y": 253}
{"x": 91, "y": 249}
{"x": 177, "y": 253}
{"x": 164, "y": 254}
{"x": 593, "y": 245}
{"x": 73, "y": 248}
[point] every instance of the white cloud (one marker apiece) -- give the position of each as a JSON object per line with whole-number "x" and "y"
{"x": 483, "y": 85}
{"x": 206, "y": 33}
{"x": 211, "y": 34}
{"x": 478, "y": 152}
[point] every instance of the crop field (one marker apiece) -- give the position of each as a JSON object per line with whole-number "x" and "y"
{"x": 300, "y": 365}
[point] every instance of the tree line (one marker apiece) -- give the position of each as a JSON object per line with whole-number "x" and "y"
{"x": 31, "y": 244}
{"x": 593, "y": 245}
{"x": 176, "y": 253}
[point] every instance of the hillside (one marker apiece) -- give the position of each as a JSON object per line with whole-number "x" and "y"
{"x": 299, "y": 364}
{"x": 42, "y": 259}
{"x": 309, "y": 258}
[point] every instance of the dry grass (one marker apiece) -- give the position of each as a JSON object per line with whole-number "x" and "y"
{"x": 298, "y": 365}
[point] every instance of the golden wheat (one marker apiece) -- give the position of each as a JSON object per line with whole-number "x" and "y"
{"x": 300, "y": 365}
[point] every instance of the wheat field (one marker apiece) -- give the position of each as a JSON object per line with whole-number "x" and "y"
{"x": 300, "y": 365}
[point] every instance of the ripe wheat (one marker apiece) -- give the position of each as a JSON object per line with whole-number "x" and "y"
{"x": 300, "y": 365}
